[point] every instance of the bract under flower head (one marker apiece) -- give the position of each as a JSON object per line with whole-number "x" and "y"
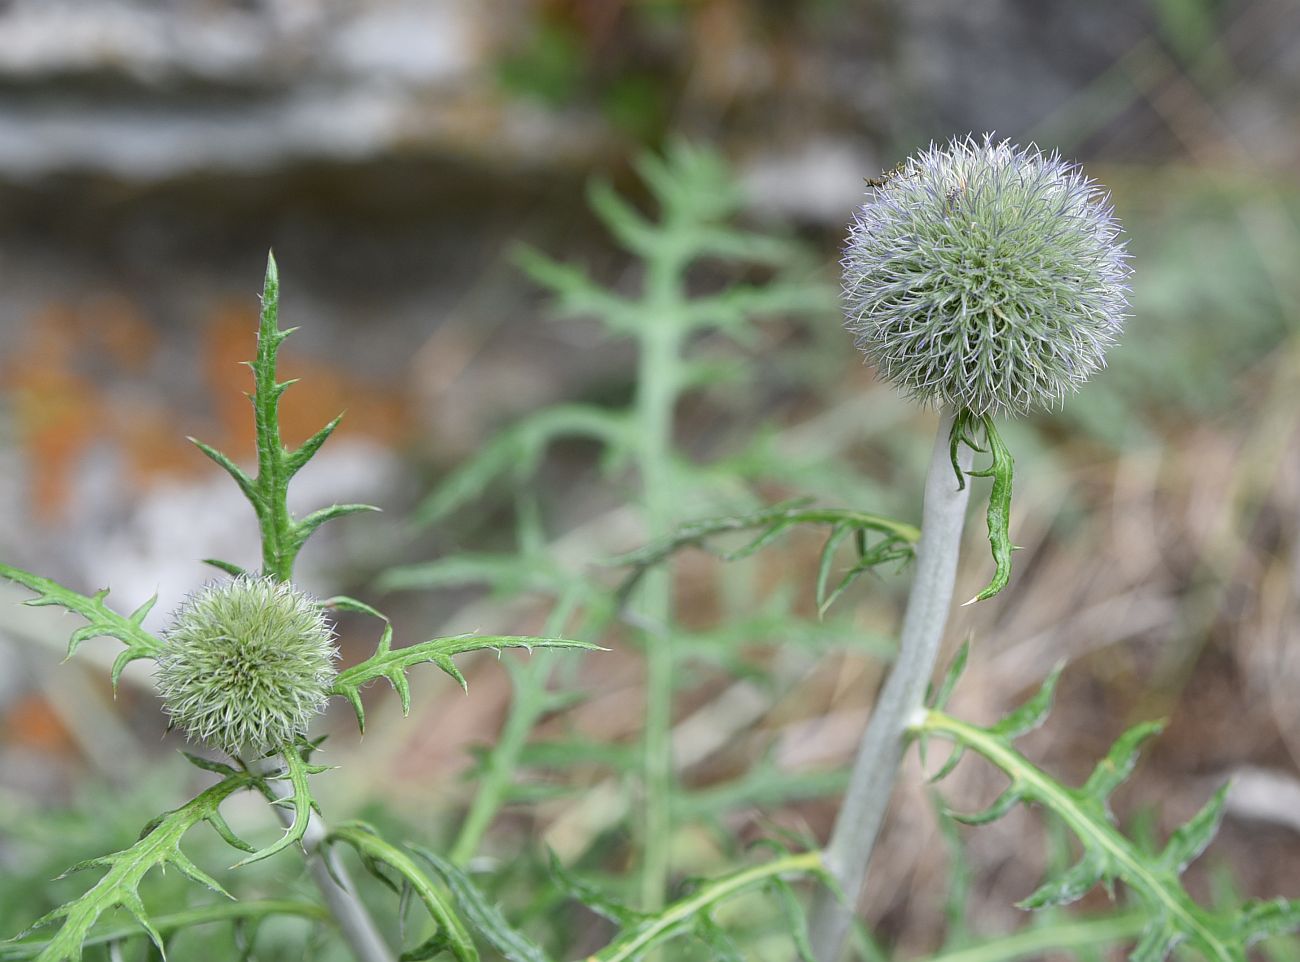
{"x": 247, "y": 664}
{"x": 986, "y": 276}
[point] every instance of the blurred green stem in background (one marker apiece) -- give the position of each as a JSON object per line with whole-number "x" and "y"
{"x": 530, "y": 701}
{"x": 1063, "y": 936}
{"x": 658, "y": 384}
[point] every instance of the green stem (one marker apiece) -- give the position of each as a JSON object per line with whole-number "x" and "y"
{"x": 371, "y": 846}
{"x": 273, "y": 512}
{"x": 710, "y": 894}
{"x": 279, "y": 550}
{"x": 175, "y": 921}
{"x": 530, "y": 702}
{"x": 331, "y": 878}
{"x": 1042, "y": 939}
{"x": 658, "y": 384}
{"x": 875, "y": 768}
{"x": 527, "y": 705}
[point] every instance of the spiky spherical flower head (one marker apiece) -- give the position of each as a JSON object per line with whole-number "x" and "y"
{"x": 247, "y": 664}
{"x": 986, "y": 276}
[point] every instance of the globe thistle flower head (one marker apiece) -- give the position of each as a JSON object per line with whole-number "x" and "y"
{"x": 247, "y": 664}
{"x": 986, "y": 276}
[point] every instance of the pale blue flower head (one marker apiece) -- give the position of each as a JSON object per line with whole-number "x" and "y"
{"x": 986, "y": 276}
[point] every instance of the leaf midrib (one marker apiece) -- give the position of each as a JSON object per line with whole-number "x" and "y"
{"x": 1058, "y": 800}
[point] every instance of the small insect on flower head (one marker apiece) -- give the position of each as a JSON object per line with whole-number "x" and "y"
{"x": 986, "y": 276}
{"x": 247, "y": 664}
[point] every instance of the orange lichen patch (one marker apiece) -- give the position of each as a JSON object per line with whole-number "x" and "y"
{"x": 62, "y": 411}
{"x": 111, "y": 324}
{"x": 32, "y": 723}
{"x": 55, "y": 408}
{"x": 152, "y": 440}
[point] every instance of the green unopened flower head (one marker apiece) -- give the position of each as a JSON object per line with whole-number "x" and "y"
{"x": 247, "y": 664}
{"x": 986, "y": 276}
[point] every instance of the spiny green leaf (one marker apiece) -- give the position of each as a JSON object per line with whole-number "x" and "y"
{"x": 833, "y": 540}
{"x": 246, "y": 484}
{"x": 679, "y": 917}
{"x": 304, "y": 529}
{"x": 508, "y": 574}
{"x": 486, "y": 918}
{"x": 196, "y": 874}
{"x": 392, "y": 664}
{"x": 576, "y": 294}
{"x": 102, "y": 621}
{"x": 722, "y": 947}
{"x": 1120, "y": 761}
{"x": 346, "y": 603}
{"x": 431, "y": 948}
{"x": 230, "y": 568}
{"x": 1072, "y": 884}
{"x": 299, "y": 458}
{"x": 751, "y": 247}
{"x": 368, "y": 844}
{"x": 397, "y": 678}
{"x": 133, "y": 904}
{"x": 621, "y": 219}
{"x": 1158, "y": 940}
{"x": 243, "y": 910}
{"x": 897, "y": 538}
{"x": 222, "y": 828}
{"x": 592, "y": 896}
{"x": 950, "y": 677}
{"x": 692, "y": 184}
{"x": 770, "y": 522}
{"x": 999, "y": 510}
{"x": 1262, "y": 920}
{"x": 299, "y": 799}
{"x": 734, "y": 309}
{"x": 949, "y": 764}
{"x": 157, "y": 847}
{"x": 517, "y": 452}
{"x": 996, "y": 809}
{"x": 209, "y": 764}
{"x": 1191, "y": 839}
{"x": 1107, "y": 854}
{"x": 796, "y": 919}
{"x": 957, "y": 436}
{"x": 1033, "y": 712}
{"x": 765, "y": 786}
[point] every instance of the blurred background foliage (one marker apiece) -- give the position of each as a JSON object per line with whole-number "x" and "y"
{"x": 394, "y": 152}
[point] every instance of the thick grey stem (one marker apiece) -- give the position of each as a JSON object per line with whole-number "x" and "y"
{"x": 331, "y": 878}
{"x": 876, "y": 766}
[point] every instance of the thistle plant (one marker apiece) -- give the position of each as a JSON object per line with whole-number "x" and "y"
{"x": 989, "y": 279}
{"x": 985, "y": 279}
{"x": 245, "y": 667}
{"x": 982, "y": 279}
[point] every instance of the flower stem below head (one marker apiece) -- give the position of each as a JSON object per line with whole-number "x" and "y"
{"x": 875, "y": 768}
{"x": 331, "y": 878}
